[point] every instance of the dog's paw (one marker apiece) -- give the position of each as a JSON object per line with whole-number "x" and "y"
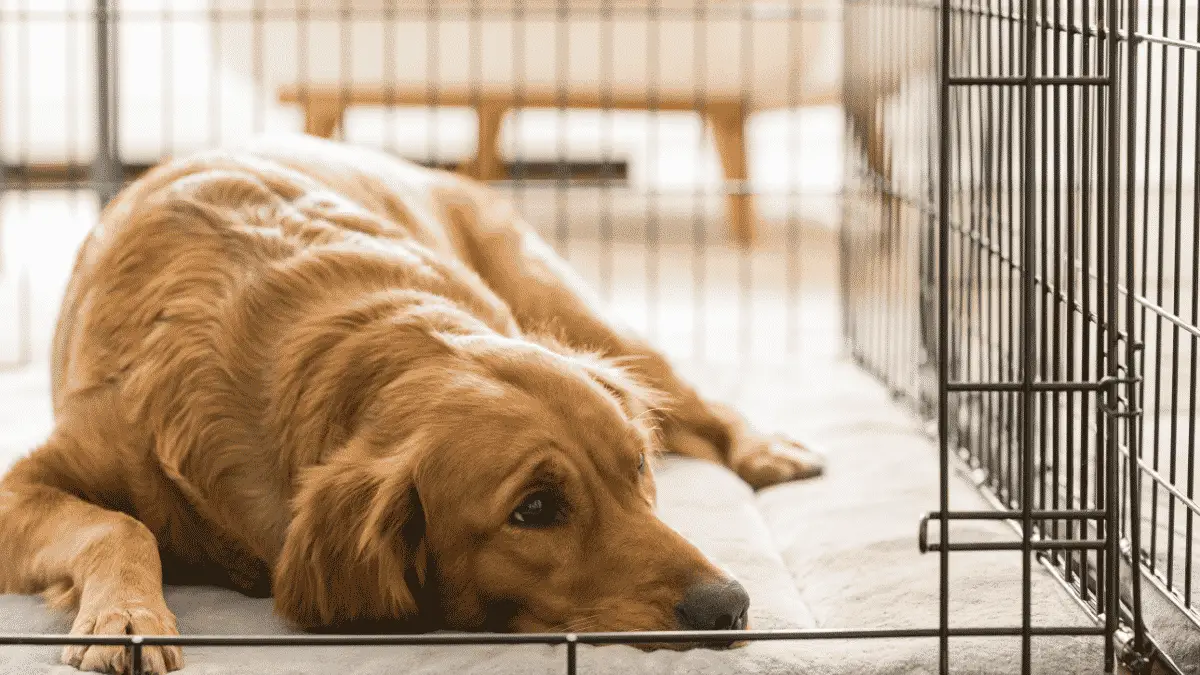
{"x": 771, "y": 460}
{"x": 126, "y": 619}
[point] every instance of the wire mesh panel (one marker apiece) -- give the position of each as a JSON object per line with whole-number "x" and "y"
{"x": 1018, "y": 252}
{"x": 1069, "y": 136}
{"x": 664, "y": 147}
{"x": 1163, "y": 140}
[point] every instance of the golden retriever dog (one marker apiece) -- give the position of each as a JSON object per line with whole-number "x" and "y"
{"x": 369, "y": 390}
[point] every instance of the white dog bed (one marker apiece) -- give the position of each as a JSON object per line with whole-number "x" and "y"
{"x": 836, "y": 552}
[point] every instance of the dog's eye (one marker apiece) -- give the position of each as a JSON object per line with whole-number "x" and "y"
{"x": 540, "y": 509}
{"x": 642, "y": 463}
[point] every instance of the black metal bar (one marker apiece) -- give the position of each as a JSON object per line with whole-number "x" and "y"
{"x": 1038, "y": 514}
{"x": 1133, "y": 474}
{"x": 1035, "y": 545}
{"x": 1168, "y": 487}
{"x": 562, "y": 56}
{"x": 572, "y": 642}
{"x": 456, "y": 10}
{"x": 1097, "y": 386}
{"x": 943, "y": 361}
{"x": 1112, "y": 498}
{"x": 1164, "y": 41}
{"x": 653, "y": 204}
{"x": 607, "y": 49}
{"x": 105, "y": 171}
{"x": 1004, "y": 81}
{"x": 1028, "y": 342}
{"x": 1194, "y": 372}
{"x": 135, "y": 654}
{"x": 459, "y": 639}
{"x": 700, "y": 19}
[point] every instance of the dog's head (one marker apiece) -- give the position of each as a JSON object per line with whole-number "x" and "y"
{"x": 499, "y": 486}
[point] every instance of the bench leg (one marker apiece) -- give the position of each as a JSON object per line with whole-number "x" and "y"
{"x": 729, "y": 134}
{"x": 487, "y": 165}
{"x": 322, "y": 118}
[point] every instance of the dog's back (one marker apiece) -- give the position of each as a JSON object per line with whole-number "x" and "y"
{"x": 208, "y": 289}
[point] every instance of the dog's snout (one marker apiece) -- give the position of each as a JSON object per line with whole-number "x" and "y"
{"x": 721, "y": 605}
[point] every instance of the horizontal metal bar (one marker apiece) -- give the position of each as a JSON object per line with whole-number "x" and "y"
{"x": 924, "y": 546}
{"x": 1075, "y": 306}
{"x": 1082, "y": 514}
{"x": 1166, "y": 41}
{"x": 451, "y": 639}
{"x": 1018, "y": 386}
{"x": 1162, "y": 313}
{"x": 1003, "y": 81}
{"x": 1167, "y": 484}
{"x": 456, "y": 10}
{"x": 1040, "y": 545}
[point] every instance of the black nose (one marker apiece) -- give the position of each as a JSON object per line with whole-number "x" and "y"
{"x": 721, "y": 605}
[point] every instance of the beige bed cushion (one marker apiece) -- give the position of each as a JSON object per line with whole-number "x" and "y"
{"x": 838, "y": 552}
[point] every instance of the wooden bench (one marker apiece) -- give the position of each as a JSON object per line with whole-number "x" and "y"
{"x": 325, "y": 107}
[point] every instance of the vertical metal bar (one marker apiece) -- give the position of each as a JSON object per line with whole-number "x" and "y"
{"x": 474, "y": 85}
{"x": 519, "y": 97}
{"x": 259, "y": 113}
{"x": 792, "y": 233}
{"x": 653, "y": 201}
{"x": 1104, "y": 328}
{"x": 1086, "y": 346}
{"x": 136, "y": 654}
{"x": 345, "y": 73}
{"x": 988, "y": 346}
{"x": 166, "y": 145}
{"x": 1146, "y": 266}
{"x": 929, "y": 236}
{"x": 607, "y": 48}
{"x": 1134, "y": 476}
{"x": 745, "y": 270}
{"x": 433, "y": 116}
{"x": 562, "y": 73}
{"x": 1111, "y": 494}
{"x": 1010, "y": 295}
{"x": 1177, "y": 273}
{"x": 973, "y": 323}
{"x": 1059, "y": 355}
{"x": 105, "y": 169}
{"x": 572, "y": 643}
{"x": 1069, "y": 499}
{"x": 1195, "y": 346}
{"x": 214, "y": 76}
{"x": 25, "y": 114}
{"x": 1156, "y": 445}
{"x": 944, "y": 338}
{"x": 302, "y": 36}
{"x": 699, "y": 225}
{"x": 389, "y": 76}
{"x": 1028, "y": 334}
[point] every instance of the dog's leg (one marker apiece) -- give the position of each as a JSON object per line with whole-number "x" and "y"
{"x": 104, "y": 563}
{"x": 542, "y": 290}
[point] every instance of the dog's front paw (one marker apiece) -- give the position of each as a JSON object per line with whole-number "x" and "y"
{"x": 123, "y": 619}
{"x": 770, "y": 460}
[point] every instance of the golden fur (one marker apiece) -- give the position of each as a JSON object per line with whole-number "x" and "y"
{"x": 308, "y": 370}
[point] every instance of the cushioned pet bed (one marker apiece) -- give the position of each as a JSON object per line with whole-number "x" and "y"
{"x": 837, "y": 552}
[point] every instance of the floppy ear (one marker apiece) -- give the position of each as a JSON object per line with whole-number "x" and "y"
{"x": 637, "y": 398}
{"x": 355, "y": 548}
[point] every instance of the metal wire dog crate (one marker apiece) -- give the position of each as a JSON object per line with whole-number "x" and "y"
{"x": 1018, "y": 245}
{"x": 1055, "y": 342}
